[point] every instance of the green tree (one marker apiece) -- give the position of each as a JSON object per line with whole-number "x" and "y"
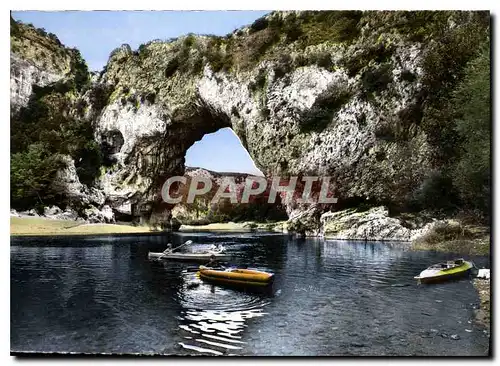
{"x": 473, "y": 124}
{"x": 31, "y": 173}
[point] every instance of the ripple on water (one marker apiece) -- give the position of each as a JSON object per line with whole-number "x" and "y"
{"x": 215, "y": 318}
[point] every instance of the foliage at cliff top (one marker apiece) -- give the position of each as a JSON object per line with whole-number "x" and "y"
{"x": 39, "y": 47}
{"x": 298, "y": 34}
{"x": 361, "y": 44}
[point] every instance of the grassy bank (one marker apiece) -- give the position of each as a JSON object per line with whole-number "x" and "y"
{"x": 236, "y": 226}
{"x": 456, "y": 238}
{"x": 25, "y": 226}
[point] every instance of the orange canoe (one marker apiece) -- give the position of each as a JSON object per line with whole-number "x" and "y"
{"x": 246, "y": 277}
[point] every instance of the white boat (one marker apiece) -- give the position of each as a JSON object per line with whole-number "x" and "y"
{"x": 217, "y": 251}
{"x": 193, "y": 257}
{"x": 445, "y": 271}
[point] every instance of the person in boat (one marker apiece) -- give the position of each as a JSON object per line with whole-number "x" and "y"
{"x": 169, "y": 249}
{"x": 214, "y": 263}
{"x": 218, "y": 248}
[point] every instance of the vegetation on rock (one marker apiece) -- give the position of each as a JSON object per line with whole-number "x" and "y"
{"x": 52, "y": 123}
{"x": 433, "y": 64}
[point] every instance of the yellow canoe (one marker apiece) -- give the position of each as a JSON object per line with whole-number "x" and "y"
{"x": 446, "y": 271}
{"x": 245, "y": 277}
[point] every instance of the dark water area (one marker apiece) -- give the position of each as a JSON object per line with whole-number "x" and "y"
{"x": 102, "y": 295}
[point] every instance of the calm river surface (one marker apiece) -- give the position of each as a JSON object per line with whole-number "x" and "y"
{"x": 101, "y": 294}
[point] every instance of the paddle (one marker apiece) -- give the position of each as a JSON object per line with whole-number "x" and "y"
{"x": 186, "y": 243}
{"x": 180, "y": 246}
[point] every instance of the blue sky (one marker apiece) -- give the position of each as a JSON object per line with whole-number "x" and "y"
{"x": 221, "y": 152}
{"x": 97, "y": 33}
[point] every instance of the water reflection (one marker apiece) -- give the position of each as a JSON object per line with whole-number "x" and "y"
{"x": 330, "y": 298}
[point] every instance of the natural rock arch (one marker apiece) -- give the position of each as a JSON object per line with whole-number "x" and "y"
{"x": 350, "y": 110}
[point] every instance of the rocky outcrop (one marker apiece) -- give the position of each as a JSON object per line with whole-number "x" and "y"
{"x": 204, "y": 211}
{"x": 67, "y": 184}
{"x": 37, "y": 59}
{"x": 337, "y": 94}
{"x": 105, "y": 215}
{"x": 25, "y": 75}
{"x": 372, "y": 224}
{"x": 56, "y": 213}
{"x": 349, "y": 109}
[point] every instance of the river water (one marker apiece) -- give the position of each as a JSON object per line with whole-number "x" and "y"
{"x": 102, "y": 295}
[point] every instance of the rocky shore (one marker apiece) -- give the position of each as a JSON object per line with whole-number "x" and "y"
{"x": 483, "y": 313}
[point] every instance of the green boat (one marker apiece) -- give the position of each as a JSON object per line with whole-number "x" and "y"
{"x": 446, "y": 271}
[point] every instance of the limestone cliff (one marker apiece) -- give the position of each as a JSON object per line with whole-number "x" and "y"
{"x": 37, "y": 59}
{"x": 343, "y": 94}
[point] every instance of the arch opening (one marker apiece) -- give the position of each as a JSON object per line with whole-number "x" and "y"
{"x": 221, "y": 152}
{"x": 219, "y": 155}
{"x": 201, "y": 137}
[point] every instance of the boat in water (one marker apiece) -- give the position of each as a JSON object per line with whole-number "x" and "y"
{"x": 217, "y": 252}
{"x": 446, "y": 271}
{"x": 190, "y": 257}
{"x": 236, "y": 277}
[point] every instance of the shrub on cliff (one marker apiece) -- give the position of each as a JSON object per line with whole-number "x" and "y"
{"x": 472, "y": 174}
{"x": 49, "y": 125}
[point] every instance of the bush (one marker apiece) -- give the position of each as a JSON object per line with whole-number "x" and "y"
{"x": 260, "y": 81}
{"x": 172, "y": 67}
{"x": 48, "y": 126}
{"x": 322, "y": 59}
{"x": 283, "y": 65}
{"x": 444, "y": 67}
{"x": 408, "y": 76}
{"x": 333, "y": 26}
{"x": 258, "y": 25}
{"x": 235, "y": 112}
{"x": 79, "y": 70}
{"x": 189, "y": 41}
{"x": 446, "y": 232}
{"x": 436, "y": 192}
{"x": 31, "y": 173}
{"x": 262, "y": 43}
{"x": 472, "y": 103}
{"x": 99, "y": 96}
{"x": 293, "y": 31}
{"x": 379, "y": 53}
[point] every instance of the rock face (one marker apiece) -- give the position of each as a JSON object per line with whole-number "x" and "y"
{"x": 338, "y": 95}
{"x": 105, "y": 215}
{"x": 37, "y": 59}
{"x": 24, "y": 76}
{"x": 373, "y": 224}
{"x": 348, "y": 110}
{"x": 203, "y": 210}
{"x": 56, "y": 213}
